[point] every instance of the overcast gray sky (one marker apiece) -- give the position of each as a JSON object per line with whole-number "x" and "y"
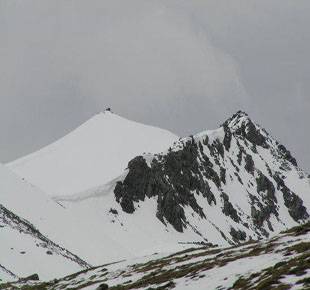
{"x": 181, "y": 65}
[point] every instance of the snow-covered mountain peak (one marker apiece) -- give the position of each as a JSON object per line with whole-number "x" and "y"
{"x": 237, "y": 119}
{"x": 240, "y": 121}
{"x": 242, "y": 127}
{"x": 93, "y": 154}
{"x": 241, "y": 124}
{"x": 105, "y": 115}
{"x": 237, "y": 178}
{"x": 223, "y": 186}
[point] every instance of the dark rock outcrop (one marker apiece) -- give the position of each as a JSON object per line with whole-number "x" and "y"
{"x": 228, "y": 208}
{"x": 103, "y": 286}
{"x": 135, "y": 186}
{"x": 293, "y": 202}
{"x": 237, "y": 235}
{"x": 249, "y": 164}
{"x": 295, "y": 205}
{"x": 287, "y": 154}
{"x": 173, "y": 179}
{"x": 264, "y": 184}
{"x": 207, "y": 165}
{"x": 33, "y": 277}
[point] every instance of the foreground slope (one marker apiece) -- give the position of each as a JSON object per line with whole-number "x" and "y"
{"x": 94, "y": 153}
{"x": 24, "y": 248}
{"x": 225, "y": 186}
{"x": 80, "y": 231}
{"x": 282, "y": 262}
{"x": 89, "y": 232}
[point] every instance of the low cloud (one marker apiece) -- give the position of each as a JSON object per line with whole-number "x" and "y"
{"x": 147, "y": 60}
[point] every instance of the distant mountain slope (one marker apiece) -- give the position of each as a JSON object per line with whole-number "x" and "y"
{"x": 32, "y": 204}
{"x": 88, "y": 231}
{"x": 6, "y": 274}
{"x": 25, "y": 211}
{"x": 278, "y": 263}
{"x": 92, "y": 154}
{"x": 25, "y": 251}
{"x": 224, "y": 186}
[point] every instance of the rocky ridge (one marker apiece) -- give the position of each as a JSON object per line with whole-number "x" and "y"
{"x": 239, "y": 163}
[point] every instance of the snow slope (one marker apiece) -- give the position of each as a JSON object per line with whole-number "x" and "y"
{"x": 25, "y": 251}
{"x": 93, "y": 154}
{"x": 278, "y": 263}
{"x": 27, "y": 201}
{"x": 106, "y": 236}
{"x": 203, "y": 189}
{"x": 87, "y": 229}
{"x": 25, "y": 211}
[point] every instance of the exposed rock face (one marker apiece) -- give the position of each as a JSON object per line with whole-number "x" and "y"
{"x": 237, "y": 164}
{"x": 171, "y": 179}
{"x": 103, "y": 287}
{"x": 292, "y": 201}
{"x": 135, "y": 185}
{"x": 249, "y": 164}
{"x": 228, "y": 208}
{"x": 33, "y": 277}
{"x": 237, "y": 235}
{"x": 247, "y": 129}
{"x": 270, "y": 201}
{"x": 287, "y": 154}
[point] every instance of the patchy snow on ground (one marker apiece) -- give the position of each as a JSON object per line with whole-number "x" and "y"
{"x": 257, "y": 265}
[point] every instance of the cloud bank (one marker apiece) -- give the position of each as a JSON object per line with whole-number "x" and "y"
{"x": 182, "y": 65}
{"x": 61, "y": 61}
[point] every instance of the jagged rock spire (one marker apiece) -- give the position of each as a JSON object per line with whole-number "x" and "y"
{"x": 241, "y": 124}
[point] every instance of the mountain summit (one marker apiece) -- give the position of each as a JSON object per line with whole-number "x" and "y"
{"x": 94, "y": 153}
{"x": 236, "y": 178}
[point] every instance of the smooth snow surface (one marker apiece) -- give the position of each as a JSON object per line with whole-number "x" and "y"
{"x": 25, "y": 255}
{"x": 27, "y": 201}
{"x": 85, "y": 227}
{"x": 93, "y": 154}
{"x": 23, "y": 250}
